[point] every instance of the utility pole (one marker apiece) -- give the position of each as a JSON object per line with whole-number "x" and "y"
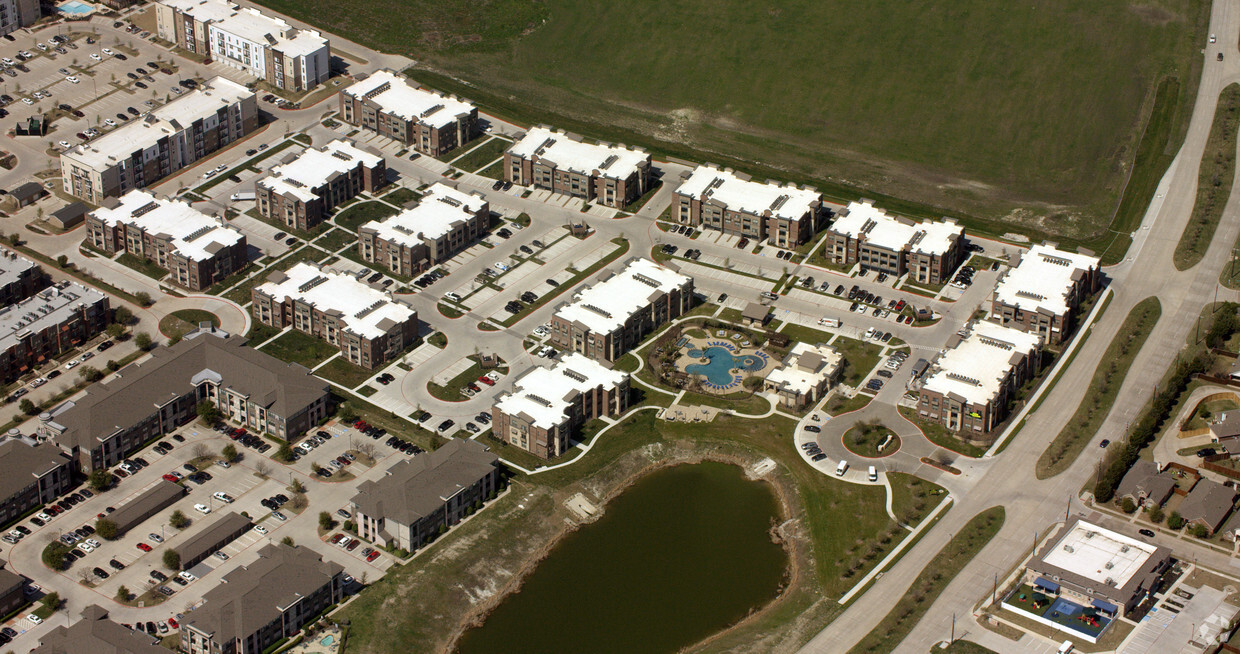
{"x": 953, "y": 628}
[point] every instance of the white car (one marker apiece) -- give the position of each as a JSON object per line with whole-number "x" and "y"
{"x": 96, "y": 57}
{"x": 64, "y": 144}
{"x": 184, "y": 574}
{"x": 223, "y": 497}
{"x": 38, "y": 382}
{"x": 93, "y": 543}
{"x": 86, "y": 547}
{"x": 109, "y": 122}
{"x": 493, "y": 376}
{"x": 202, "y": 508}
{"x": 27, "y": 54}
{"x": 27, "y": 101}
{"x": 73, "y": 79}
{"x": 34, "y": 619}
{"x": 43, "y": 516}
{"x": 209, "y": 174}
{"x": 155, "y": 537}
{"x": 344, "y": 542}
{"x": 16, "y": 534}
{"x": 501, "y": 267}
{"x": 223, "y": 464}
{"x": 7, "y": 61}
{"x": 220, "y": 168}
{"x": 260, "y": 529}
{"x": 88, "y": 355}
{"x": 72, "y": 364}
{"x": 41, "y": 46}
{"x": 107, "y": 51}
{"x": 279, "y": 516}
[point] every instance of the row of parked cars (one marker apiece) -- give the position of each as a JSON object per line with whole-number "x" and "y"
{"x": 429, "y": 278}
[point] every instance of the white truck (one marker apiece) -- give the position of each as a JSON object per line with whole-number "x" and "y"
{"x": 241, "y": 196}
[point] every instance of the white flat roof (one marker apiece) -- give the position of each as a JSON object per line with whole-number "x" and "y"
{"x": 609, "y": 304}
{"x": 542, "y": 393}
{"x": 404, "y": 99}
{"x": 1099, "y": 554}
{"x": 13, "y": 266}
{"x": 143, "y": 132}
{"x": 709, "y": 183}
{"x": 1042, "y": 279}
{"x": 979, "y": 363}
{"x": 894, "y": 233}
{"x": 203, "y": 10}
{"x": 194, "y": 234}
{"x": 569, "y": 154}
{"x": 442, "y": 208}
{"x": 314, "y": 168}
{"x": 364, "y": 307}
{"x": 792, "y": 376}
{"x": 255, "y": 26}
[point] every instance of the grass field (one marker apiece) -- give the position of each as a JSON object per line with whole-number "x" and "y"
{"x": 975, "y": 107}
{"x": 357, "y": 215}
{"x": 482, "y": 155}
{"x": 296, "y": 347}
{"x": 1103, "y": 389}
{"x": 1218, "y": 168}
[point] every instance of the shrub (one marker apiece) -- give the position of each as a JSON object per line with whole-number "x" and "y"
{"x": 172, "y": 560}
{"x": 178, "y": 520}
{"x": 1156, "y": 514}
{"x": 229, "y": 453}
{"x": 1128, "y": 505}
{"x": 1199, "y": 531}
{"x": 106, "y": 529}
{"x": 54, "y": 555}
{"x": 1175, "y": 520}
{"x": 142, "y": 340}
{"x": 100, "y": 480}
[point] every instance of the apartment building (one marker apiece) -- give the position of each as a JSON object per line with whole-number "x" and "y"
{"x": 610, "y": 318}
{"x": 927, "y": 252}
{"x": 164, "y": 140}
{"x": 20, "y": 277}
{"x": 94, "y": 632}
{"x": 547, "y": 405}
{"x": 197, "y": 250}
{"x": 259, "y": 604}
{"x": 968, "y": 388}
{"x": 287, "y": 57}
{"x": 302, "y": 192}
{"x": 154, "y": 397}
{"x": 34, "y": 474}
{"x": 395, "y": 107}
{"x": 366, "y": 324}
{"x": 16, "y": 14}
{"x": 611, "y": 175}
{"x": 416, "y": 497}
{"x": 444, "y": 222}
{"x": 53, "y": 321}
{"x": 730, "y": 202}
{"x": 1043, "y": 290}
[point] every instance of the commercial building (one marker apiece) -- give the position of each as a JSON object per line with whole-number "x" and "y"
{"x": 1208, "y": 504}
{"x": 153, "y": 499}
{"x": 611, "y": 175}
{"x": 34, "y": 474}
{"x": 196, "y": 249}
{"x": 610, "y": 318}
{"x": 52, "y": 321}
{"x": 805, "y": 375}
{"x": 546, "y": 405}
{"x": 304, "y": 190}
{"x": 927, "y": 252}
{"x": 223, "y": 531}
{"x": 154, "y": 397}
{"x": 266, "y": 47}
{"x": 406, "y": 507}
{"x": 12, "y": 591}
{"x": 20, "y": 277}
{"x": 726, "y": 201}
{"x": 96, "y": 633}
{"x": 444, "y": 222}
{"x": 969, "y": 387}
{"x": 1145, "y": 484}
{"x": 16, "y": 14}
{"x": 1043, "y": 291}
{"x": 367, "y": 324}
{"x": 1089, "y": 565}
{"x": 257, "y": 605}
{"x": 395, "y": 107}
{"x": 157, "y": 144}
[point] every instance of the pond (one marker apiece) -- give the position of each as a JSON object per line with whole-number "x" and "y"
{"x": 682, "y": 554}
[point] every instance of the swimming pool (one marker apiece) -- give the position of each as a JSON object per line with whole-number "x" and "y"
{"x": 720, "y": 363}
{"x": 76, "y": 7}
{"x": 327, "y": 641}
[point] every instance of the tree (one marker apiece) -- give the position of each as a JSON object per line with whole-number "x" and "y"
{"x": 113, "y": 365}
{"x": 122, "y": 315}
{"x": 143, "y": 298}
{"x": 172, "y": 560}
{"x": 51, "y": 600}
{"x": 90, "y": 374}
{"x": 29, "y": 408}
{"x": 54, "y": 555}
{"x": 262, "y": 469}
{"x": 1156, "y": 514}
{"x": 123, "y": 594}
{"x": 100, "y": 480}
{"x": 106, "y": 529}
{"x": 116, "y": 330}
{"x": 365, "y": 448}
{"x": 287, "y": 540}
{"x": 1199, "y": 530}
{"x": 1175, "y": 520}
{"x": 1128, "y": 505}
{"x": 297, "y": 486}
{"x": 62, "y": 261}
{"x": 178, "y": 520}
{"x": 142, "y": 340}
{"x": 229, "y": 453}
{"x": 345, "y": 413}
{"x": 285, "y": 453}
{"x": 325, "y": 521}
{"x": 201, "y": 451}
{"x": 208, "y": 412}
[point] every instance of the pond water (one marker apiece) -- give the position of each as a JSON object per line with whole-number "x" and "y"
{"x": 682, "y": 554}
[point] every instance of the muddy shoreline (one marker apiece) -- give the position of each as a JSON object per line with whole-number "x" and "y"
{"x": 793, "y": 574}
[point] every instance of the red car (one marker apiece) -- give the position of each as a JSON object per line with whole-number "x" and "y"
{"x": 900, "y": 305}
{"x": 352, "y": 546}
{"x": 486, "y": 380}
{"x": 371, "y": 557}
{"x": 170, "y": 477}
{"x": 172, "y": 622}
{"x": 144, "y": 547}
{"x": 336, "y": 539}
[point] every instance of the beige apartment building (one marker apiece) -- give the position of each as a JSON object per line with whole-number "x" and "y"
{"x": 395, "y": 107}
{"x": 303, "y": 191}
{"x": 723, "y": 200}
{"x": 54, "y": 320}
{"x": 1043, "y": 291}
{"x": 928, "y": 252}
{"x": 160, "y": 142}
{"x": 611, "y": 175}
{"x": 444, "y": 222}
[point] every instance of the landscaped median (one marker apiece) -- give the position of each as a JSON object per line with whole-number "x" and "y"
{"x": 1214, "y": 179}
{"x": 1097, "y": 401}
{"x": 565, "y": 286}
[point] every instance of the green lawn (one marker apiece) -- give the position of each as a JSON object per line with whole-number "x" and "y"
{"x": 336, "y": 239}
{"x": 451, "y": 392}
{"x": 482, "y": 155}
{"x": 401, "y": 196}
{"x": 297, "y": 347}
{"x": 363, "y": 212}
{"x": 195, "y": 316}
{"x": 494, "y": 171}
{"x": 178, "y": 323}
{"x": 1218, "y": 168}
{"x": 860, "y": 357}
{"x": 344, "y": 373}
{"x": 930, "y": 583}
{"x": 145, "y": 266}
{"x": 1103, "y": 389}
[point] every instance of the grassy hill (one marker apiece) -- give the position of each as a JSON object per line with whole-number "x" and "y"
{"x": 974, "y": 106}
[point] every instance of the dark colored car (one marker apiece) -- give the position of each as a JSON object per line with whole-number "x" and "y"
{"x": 1148, "y": 533}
